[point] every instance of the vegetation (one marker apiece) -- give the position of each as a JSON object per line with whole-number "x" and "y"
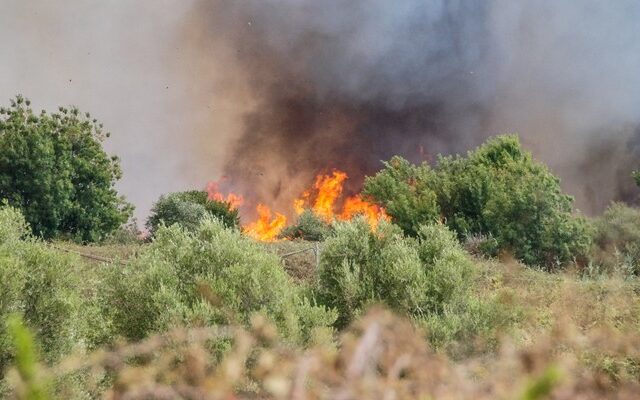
{"x": 211, "y": 276}
{"x": 53, "y": 168}
{"x": 188, "y": 209}
{"x": 308, "y": 226}
{"x": 420, "y": 277}
{"x": 419, "y": 307}
{"x": 495, "y": 190}
{"x": 40, "y": 285}
{"x": 617, "y": 240}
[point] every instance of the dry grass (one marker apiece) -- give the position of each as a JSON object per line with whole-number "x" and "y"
{"x": 379, "y": 357}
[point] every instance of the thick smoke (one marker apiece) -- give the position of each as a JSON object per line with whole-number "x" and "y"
{"x": 347, "y": 83}
{"x": 271, "y": 92}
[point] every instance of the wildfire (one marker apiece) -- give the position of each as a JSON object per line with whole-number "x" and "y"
{"x": 234, "y": 200}
{"x": 323, "y": 198}
{"x": 327, "y": 190}
{"x": 356, "y": 206}
{"x": 266, "y": 228}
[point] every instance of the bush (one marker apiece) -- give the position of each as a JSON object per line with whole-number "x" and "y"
{"x": 406, "y": 192}
{"x": 496, "y": 190}
{"x": 42, "y": 286}
{"x": 188, "y": 209}
{"x": 212, "y": 275}
{"x": 54, "y": 169}
{"x": 309, "y": 226}
{"x": 617, "y": 239}
{"x": 414, "y": 276}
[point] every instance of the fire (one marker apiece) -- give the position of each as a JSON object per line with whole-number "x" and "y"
{"x": 234, "y": 200}
{"x": 357, "y": 206}
{"x": 329, "y": 189}
{"x": 266, "y": 228}
{"x": 323, "y": 198}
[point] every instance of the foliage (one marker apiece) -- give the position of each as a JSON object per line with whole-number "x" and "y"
{"x": 40, "y": 285}
{"x": 497, "y": 190}
{"x": 308, "y": 226}
{"x": 33, "y": 386}
{"x": 188, "y": 209}
{"x": 209, "y": 276}
{"x": 54, "y": 169}
{"x": 417, "y": 277}
{"x": 617, "y": 239}
{"x": 406, "y": 192}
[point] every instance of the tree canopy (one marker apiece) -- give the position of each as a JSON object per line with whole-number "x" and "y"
{"x": 54, "y": 169}
{"x": 497, "y": 189}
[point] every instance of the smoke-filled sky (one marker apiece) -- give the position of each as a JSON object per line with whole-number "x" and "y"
{"x": 269, "y": 93}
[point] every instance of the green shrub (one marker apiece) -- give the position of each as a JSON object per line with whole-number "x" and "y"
{"x": 42, "y": 286}
{"x": 496, "y": 190}
{"x": 414, "y": 276}
{"x": 617, "y": 239}
{"x": 54, "y": 169}
{"x": 13, "y": 226}
{"x": 308, "y": 226}
{"x": 188, "y": 209}
{"x": 406, "y": 192}
{"x": 211, "y": 275}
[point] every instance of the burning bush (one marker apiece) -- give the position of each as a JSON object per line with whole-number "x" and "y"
{"x": 188, "y": 209}
{"x": 496, "y": 189}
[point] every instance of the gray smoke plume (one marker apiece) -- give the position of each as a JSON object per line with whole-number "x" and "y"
{"x": 268, "y": 93}
{"x": 346, "y": 83}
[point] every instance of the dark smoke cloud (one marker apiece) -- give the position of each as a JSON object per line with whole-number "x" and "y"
{"x": 271, "y": 92}
{"x": 345, "y": 84}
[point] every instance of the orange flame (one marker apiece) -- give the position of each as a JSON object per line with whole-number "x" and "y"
{"x": 234, "y": 200}
{"x": 357, "y": 206}
{"x": 323, "y": 198}
{"x": 266, "y": 228}
{"x": 329, "y": 189}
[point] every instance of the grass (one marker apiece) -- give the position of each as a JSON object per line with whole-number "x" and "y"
{"x": 568, "y": 336}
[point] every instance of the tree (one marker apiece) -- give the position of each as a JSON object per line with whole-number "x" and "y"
{"x": 498, "y": 190}
{"x": 54, "y": 169}
{"x": 188, "y": 209}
